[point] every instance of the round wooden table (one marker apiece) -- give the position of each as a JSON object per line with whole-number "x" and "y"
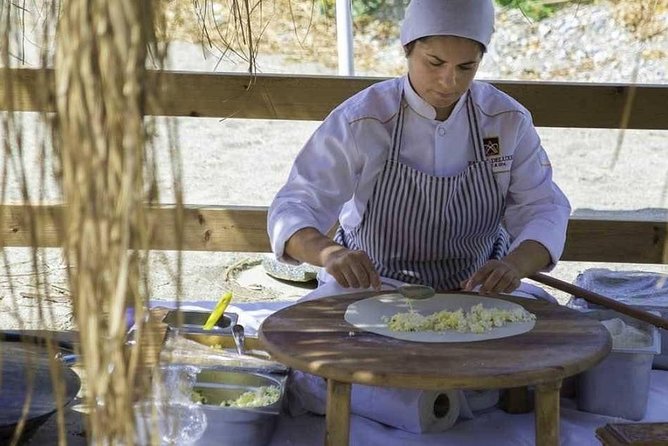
{"x": 313, "y": 337}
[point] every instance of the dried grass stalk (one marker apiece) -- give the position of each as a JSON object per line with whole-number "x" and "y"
{"x": 100, "y": 79}
{"x": 17, "y": 168}
{"x": 107, "y": 170}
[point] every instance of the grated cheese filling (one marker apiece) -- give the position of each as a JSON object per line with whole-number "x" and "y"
{"x": 477, "y": 320}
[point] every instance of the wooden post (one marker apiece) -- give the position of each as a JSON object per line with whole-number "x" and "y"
{"x": 547, "y": 413}
{"x": 338, "y": 413}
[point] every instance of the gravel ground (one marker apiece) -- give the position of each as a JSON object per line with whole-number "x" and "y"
{"x": 581, "y": 43}
{"x": 244, "y": 162}
{"x": 596, "y": 41}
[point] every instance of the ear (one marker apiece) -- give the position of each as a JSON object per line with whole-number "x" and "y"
{"x": 408, "y": 48}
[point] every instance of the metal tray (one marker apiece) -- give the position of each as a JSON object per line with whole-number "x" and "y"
{"x": 192, "y": 321}
{"x": 233, "y": 426}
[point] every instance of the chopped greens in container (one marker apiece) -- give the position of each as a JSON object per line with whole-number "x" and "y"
{"x": 197, "y": 397}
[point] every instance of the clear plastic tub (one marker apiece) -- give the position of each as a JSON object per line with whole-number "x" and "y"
{"x": 641, "y": 289}
{"x": 619, "y": 385}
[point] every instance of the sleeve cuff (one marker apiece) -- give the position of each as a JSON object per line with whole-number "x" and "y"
{"x": 553, "y": 240}
{"x": 282, "y": 228}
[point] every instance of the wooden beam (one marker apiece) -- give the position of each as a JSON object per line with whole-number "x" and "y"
{"x": 26, "y": 89}
{"x": 552, "y": 104}
{"x": 579, "y": 105}
{"x": 243, "y": 229}
{"x": 205, "y": 228}
{"x": 623, "y": 241}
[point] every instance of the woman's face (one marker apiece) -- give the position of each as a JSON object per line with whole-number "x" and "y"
{"x": 441, "y": 69}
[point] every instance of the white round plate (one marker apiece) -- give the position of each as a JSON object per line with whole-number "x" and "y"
{"x": 368, "y": 314}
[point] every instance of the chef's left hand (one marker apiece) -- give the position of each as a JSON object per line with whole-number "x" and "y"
{"x": 495, "y": 276}
{"x": 504, "y": 275}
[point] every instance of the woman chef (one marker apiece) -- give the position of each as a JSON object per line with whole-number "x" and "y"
{"x": 435, "y": 178}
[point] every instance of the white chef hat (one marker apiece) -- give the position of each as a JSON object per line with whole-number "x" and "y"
{"x": 473, "y": 19}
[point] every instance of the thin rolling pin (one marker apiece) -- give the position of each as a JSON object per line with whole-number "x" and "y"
{"x": 595, "y": 298}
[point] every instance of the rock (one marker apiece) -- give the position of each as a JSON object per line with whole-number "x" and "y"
{"x": 292, "y": 273}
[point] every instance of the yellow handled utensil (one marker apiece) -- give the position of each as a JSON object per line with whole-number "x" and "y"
{"x": 218, "y": 311}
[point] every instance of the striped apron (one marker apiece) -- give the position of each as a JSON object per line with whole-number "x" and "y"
{"x": 431, "y": 230}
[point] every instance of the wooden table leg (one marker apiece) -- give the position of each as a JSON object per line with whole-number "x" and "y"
{"x": 547, "y": 413}
{"x": 338, "y": 413}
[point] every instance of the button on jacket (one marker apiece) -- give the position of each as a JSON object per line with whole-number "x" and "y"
{"x": 334, "y": 174}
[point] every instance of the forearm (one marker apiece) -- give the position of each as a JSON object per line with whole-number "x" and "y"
{"x": 310, "y": 246}
{"x": 528, "y": 258}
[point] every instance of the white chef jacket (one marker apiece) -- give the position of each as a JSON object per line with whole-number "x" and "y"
{"x": 334, "y": 174}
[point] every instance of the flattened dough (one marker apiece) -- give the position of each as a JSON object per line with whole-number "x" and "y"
{"x": 368, "y": 315}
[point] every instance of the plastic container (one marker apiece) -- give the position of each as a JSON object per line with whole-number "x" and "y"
{"x": 640, "y": 289}
{"x": 619, "y": 385}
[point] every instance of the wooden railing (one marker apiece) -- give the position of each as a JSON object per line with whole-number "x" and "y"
{"x": 243, "y": 229}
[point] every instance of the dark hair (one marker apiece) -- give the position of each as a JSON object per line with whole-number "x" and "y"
{"x": 408, "y": 48}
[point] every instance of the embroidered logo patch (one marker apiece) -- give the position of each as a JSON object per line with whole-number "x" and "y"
{"x": 491, "y": 146}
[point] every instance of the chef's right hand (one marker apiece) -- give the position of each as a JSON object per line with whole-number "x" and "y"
{"x": 351, "y": 269}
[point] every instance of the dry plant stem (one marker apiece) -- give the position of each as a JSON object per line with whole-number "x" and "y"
{"x": 235, "y": 30}
{"x": 643, "y": 22}
{"x": 107, "y": 172}
{"x": 12, "y": 50}
{"x": 100, "y": 85}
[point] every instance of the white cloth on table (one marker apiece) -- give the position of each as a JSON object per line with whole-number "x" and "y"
{"x": 489, "y": 428}
{"x": 329, "y": 287}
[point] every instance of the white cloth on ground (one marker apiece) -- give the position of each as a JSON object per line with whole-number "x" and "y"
{"x": 491, "y": 428}
{"x": 405, "y": 409}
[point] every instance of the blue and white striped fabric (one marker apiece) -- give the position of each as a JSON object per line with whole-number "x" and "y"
{"x": 432, "y": 230}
